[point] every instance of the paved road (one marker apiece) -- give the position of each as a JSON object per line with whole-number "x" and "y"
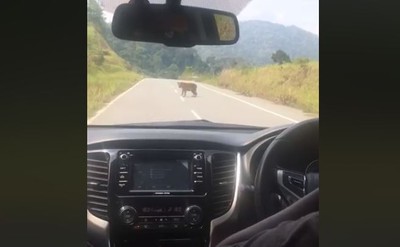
{"x": 155, "y": 100}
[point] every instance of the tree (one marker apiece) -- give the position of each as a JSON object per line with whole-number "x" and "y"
{"x": 280, "y": 57}
{"x": 95, "y": 16}
{"x": 172, "y": 72}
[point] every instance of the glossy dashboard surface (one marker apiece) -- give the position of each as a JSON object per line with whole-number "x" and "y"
{"x": 248, "y": 144}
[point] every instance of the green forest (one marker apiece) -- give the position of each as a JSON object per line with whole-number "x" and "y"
{"x": 279, "y": 64}
{"x": 150, "y": 59}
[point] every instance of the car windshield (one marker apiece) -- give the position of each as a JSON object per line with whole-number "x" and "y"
{"x": 270, "y": 77}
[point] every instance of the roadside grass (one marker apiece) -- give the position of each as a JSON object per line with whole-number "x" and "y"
{"x": 293, "y": 84}
{"x": 107, "y": 74}
{"x": 103, "y": 87}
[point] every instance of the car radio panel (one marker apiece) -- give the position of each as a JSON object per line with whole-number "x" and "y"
{"x": 154, "y": 172}
{"x": 159, "y": 189}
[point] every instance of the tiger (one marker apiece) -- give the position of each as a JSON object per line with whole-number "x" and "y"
{"x": 188, "y": 86}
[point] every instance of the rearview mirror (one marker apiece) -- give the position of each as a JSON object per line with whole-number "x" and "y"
{"x": 174, "y": 25}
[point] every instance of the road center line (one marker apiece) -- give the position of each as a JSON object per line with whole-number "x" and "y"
{"x": 110, "y": 103}
{"x": 250, "y": 104}
{"x": 195, "y": 114}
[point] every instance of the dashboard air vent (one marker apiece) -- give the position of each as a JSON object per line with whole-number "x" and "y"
{"x": 223, "y": 182}
{"x": 97, "y": 184}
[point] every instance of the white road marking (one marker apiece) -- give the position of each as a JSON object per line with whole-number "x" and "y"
{"x": 250, "y": 104}
{"x": 110, "y": 103}
{"x": 176, "y": 91}
{"x": 195, "y": 114}
{"x": 183, "y": 100}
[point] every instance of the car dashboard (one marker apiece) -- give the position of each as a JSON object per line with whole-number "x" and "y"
{"x": 169, "y": 186}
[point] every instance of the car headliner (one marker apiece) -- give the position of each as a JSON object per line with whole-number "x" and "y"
{"x": 234, "y": 6}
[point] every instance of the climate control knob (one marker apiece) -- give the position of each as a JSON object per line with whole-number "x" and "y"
{"x": 193, "y": 215}
{"x": 128, "y": 215}
{"x": 198, "y": 156}
{"x": 123, "y": 157}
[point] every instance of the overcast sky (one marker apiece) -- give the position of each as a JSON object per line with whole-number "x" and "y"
{"x": 301, "y": 13}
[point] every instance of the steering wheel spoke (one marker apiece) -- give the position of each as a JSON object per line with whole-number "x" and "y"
{"x": 291, "y": 185}
{"x": 283, "y": 168}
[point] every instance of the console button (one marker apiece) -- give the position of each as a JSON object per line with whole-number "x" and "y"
{"x": 123, "y": 168}
{"x": 176, "y": 219}
{"x": 144, "y": 220}
{"x": 148, "y": 226}
{"x": 198, "y": 156}
{"x": 123, "y": 156}
{"x": 162, "y": 226}
{"x": 128, "y": 215}
{"x": 193, "y": 215}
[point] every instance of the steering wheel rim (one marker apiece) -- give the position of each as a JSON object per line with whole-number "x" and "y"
{"x": 286, "y": 158}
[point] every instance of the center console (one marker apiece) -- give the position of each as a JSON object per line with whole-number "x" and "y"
{"x": 159, "y": 197}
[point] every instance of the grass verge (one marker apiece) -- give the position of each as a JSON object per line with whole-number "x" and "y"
{"x": 293, "y": 84}
{"x": 108, "y": 74}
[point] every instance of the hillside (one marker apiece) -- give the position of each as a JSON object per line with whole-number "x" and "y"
{"x": 293, "y": 84}
{"x": 108, "y": 74}
{"x": 259, "y": 39}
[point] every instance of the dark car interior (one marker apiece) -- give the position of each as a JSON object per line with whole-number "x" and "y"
{"x": 195, "y": 183}
{"x": 190, "y": 186}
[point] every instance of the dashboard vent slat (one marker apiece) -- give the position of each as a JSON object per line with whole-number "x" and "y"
{"x": 97, "y": 184}
{"x": 97, "y": 160}
{"x": 98, "y": 173}
{"x": 97, "y": 178}
{"x": 98, "y": 203}
{"x": 223, "y": 168}
{"x": 224, "y": 179}
{"x": 96, "y": 166}
{"x": 101, "y": 210}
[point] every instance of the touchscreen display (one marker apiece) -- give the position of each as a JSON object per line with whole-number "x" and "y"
{"x": 165, "y": 175}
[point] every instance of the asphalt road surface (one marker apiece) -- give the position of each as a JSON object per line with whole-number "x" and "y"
{"x": 160, "y": 100}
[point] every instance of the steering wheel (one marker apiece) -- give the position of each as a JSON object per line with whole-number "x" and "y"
{"x": 288, "y": 169}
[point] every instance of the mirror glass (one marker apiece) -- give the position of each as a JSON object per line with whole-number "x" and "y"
{"x": 180, "y": 26}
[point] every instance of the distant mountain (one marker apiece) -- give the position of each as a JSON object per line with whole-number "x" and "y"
{"x": 259, "y": 39}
